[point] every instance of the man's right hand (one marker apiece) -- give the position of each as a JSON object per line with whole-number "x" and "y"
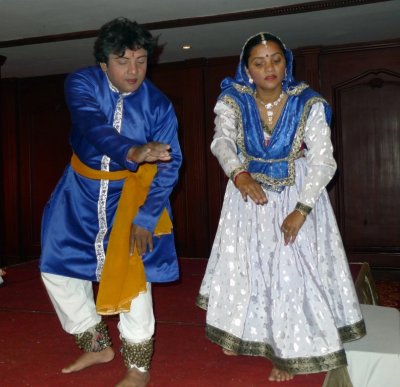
{"x": 150, "y": 152}
{"x": 141, "y": 239}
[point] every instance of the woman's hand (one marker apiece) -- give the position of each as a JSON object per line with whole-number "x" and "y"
{"x": 249, "y": 187}
{"x": 291, "y": 226}
{"x": 150, "y": 152}
{"x": 141, "y": 238}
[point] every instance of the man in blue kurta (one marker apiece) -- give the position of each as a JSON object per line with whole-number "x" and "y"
{"x": 108, "y": 219}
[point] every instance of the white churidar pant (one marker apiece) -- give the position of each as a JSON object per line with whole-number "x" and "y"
{"x": 73, "y": 301}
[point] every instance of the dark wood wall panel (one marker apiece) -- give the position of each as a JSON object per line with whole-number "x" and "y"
{"x": 164, "y": 77}
{"x": 193, "y": 127}
{"x": 363, "y": 86}
{"x": 10, "y": 212}
{"x": 215, "y": 71}
{"x": 368, "y": 217}
{"x": 306, "y": 66}
{"x": 183, "y": 83}
{"x": 43, "y": 151}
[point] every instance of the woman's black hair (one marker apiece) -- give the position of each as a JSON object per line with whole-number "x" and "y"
{"x": 119, "y": 35}
{"x": 258, "y": 39}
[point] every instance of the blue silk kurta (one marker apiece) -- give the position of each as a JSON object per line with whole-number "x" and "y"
{"x": 74, "y": 231}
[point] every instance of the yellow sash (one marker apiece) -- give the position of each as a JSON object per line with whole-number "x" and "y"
{"x": 123, "y": 276}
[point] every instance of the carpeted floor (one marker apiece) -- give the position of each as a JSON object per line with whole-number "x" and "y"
{"x": 33, "y": 347}
{"x": 389, "y": 293}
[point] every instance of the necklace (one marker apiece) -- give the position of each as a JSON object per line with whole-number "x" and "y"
{"x": 270, "y": 105}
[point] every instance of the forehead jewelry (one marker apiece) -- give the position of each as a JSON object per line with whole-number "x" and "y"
{"x": 263, "y": 40}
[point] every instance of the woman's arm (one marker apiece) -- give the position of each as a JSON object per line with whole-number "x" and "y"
{"x": 319, "y": 156}
{"x": 225, "y": 150}
{"x": 223, "y": 146}
{"x": 321, "y": 168}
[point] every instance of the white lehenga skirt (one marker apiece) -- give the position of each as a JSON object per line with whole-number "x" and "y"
{"x": 293, "y": 304}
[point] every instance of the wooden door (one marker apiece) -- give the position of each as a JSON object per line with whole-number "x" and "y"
{"x": 363, "y": 86}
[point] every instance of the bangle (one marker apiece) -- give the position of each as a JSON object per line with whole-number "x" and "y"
{"x": 238, "y": 174}
{"x": 235, "y": 172}
{"x": 303, "y": 209}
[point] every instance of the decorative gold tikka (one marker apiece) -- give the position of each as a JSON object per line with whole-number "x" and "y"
{"x": 263, "y": 40}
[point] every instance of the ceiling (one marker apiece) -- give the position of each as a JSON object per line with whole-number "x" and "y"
{"x": 214, "y": 28}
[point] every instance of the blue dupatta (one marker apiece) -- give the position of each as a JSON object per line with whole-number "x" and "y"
{"x": 271, "y": 164}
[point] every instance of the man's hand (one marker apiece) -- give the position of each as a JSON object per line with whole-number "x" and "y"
{"x": 140, "y": 238}
{"x": 150, "y": 152}
{"x": 291, "y": 226}
{"x": 249, "y": 187}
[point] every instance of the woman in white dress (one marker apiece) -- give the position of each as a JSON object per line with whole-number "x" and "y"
{"x": 277, "y": 283}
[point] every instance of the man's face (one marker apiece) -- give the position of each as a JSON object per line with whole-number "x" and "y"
{"x": 126, "y": 72}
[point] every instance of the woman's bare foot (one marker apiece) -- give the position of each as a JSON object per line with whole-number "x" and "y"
{"x": 278, "y": 375}
{"x": 134, "y": 378}
{"x": 228, "y": 352}
{"x": 88, "y": 359}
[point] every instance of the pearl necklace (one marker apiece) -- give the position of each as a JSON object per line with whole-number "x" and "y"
{"x": 270, "y": 105}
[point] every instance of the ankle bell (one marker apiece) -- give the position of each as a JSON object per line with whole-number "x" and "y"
{"x": 95, "y": 339}
{"x": 137, "y": 354}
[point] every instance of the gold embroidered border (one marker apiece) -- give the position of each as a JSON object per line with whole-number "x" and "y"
{"x": 303, "y": 209}
{"x": 232, "y": 343}
{"x": 266, "y": 181}
{"x": 296, "y": 90}
{"x": 299, "y": 365}
{"x": 202, "y": 301}
{"x": 238, "y": 116}
{"x": 352, "y": 332}
{"x": 243, "y": 89}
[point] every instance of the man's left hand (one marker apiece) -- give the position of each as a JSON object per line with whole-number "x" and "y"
{"x": 150, "y": 152}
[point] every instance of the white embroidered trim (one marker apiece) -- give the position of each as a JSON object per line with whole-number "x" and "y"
{"x": 103, "y": 192}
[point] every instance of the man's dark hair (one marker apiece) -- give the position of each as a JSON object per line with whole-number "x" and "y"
{"x": 119, "y": 35}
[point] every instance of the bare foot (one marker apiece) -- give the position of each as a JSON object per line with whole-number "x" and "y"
{"x": 278, "y": 375}
{"x": 88, "y": 359}
{"x": 134, "y": 378}
{"x": 228, "y": 352}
